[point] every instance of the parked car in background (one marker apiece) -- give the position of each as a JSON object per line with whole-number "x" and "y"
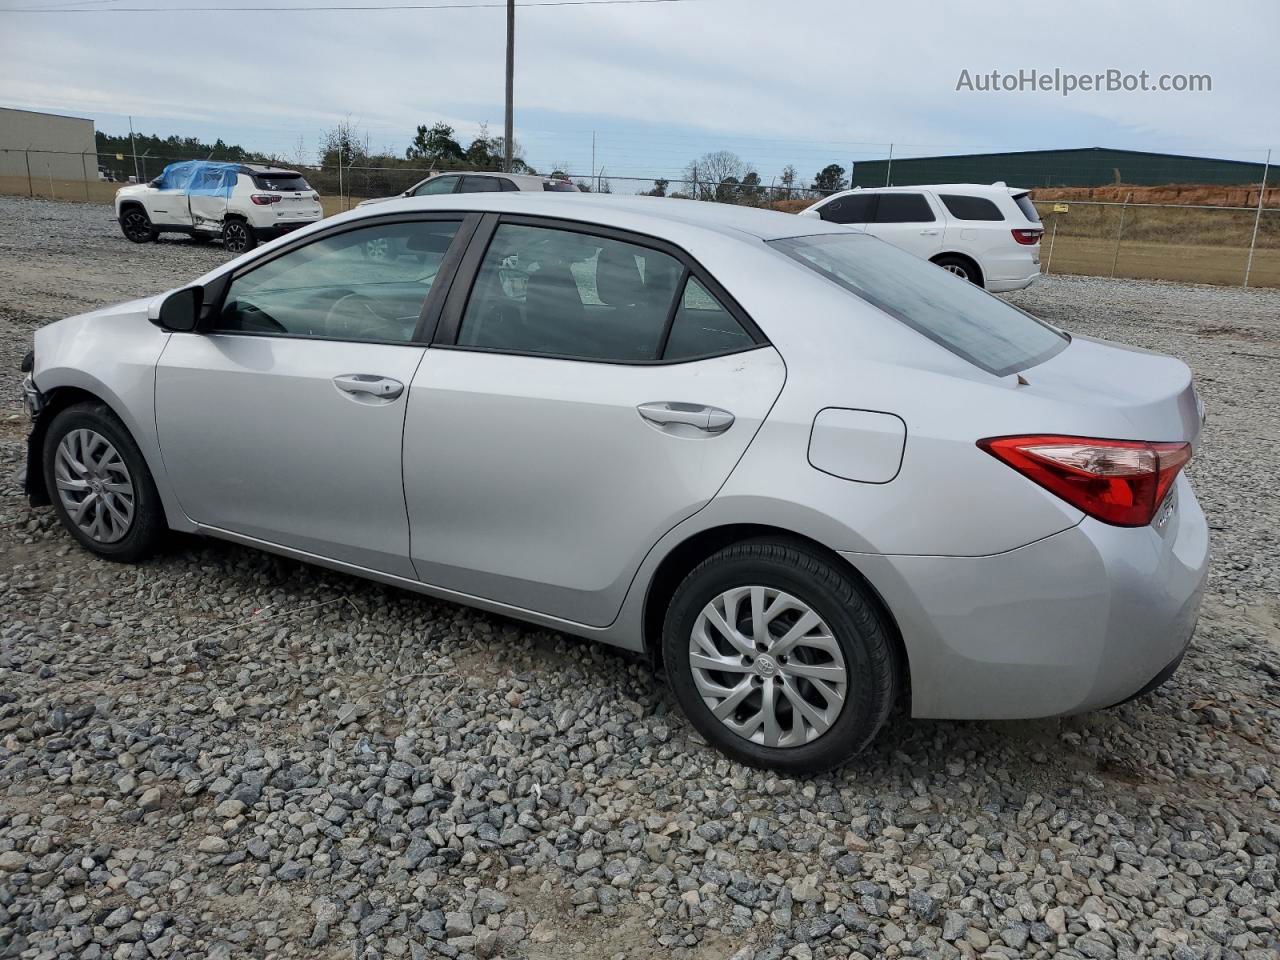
{"x": 480, "y": 182}
{"x": 986, "y": 233}
{"x": 808, "y": 472}
{"x": 243, "y": 203}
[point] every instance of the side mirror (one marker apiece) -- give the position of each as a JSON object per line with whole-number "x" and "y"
{"x": 179, "y": 312}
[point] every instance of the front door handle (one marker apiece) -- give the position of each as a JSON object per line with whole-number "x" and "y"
{"x": 670, "y": 414}
{"x": 369, "y": 386}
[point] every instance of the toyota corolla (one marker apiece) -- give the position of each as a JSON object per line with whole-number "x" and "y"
{"x": 812, "y": 475}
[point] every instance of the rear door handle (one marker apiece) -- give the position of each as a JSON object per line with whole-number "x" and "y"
{"x": 369, "y": 386}
{"x": 671, "y": 414}
{"x": 928, "y": 233}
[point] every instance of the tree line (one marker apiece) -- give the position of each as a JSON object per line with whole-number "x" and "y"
{"x": 720, "y": 176}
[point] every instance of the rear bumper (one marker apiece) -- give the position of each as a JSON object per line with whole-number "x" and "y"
{"x": 1019, "y": 283}
{"x": 278, "y": 229}
{"x": 1086, "y": 618}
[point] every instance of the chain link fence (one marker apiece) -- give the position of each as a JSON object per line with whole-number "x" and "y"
{"x": 1222, "y": 234}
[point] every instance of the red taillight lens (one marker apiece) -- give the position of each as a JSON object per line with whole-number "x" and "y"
{"x": 1027, "y": 237}
{"x": 1121, "y": 482}
{"x": 262, "y": 199}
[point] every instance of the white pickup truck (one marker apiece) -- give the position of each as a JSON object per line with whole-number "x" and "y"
{"x": 243, "y": 203}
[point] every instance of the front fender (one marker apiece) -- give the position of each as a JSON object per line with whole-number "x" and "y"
{"x": 110, "y": 355}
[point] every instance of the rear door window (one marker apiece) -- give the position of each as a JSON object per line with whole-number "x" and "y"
{"x": 903, "y": 208}
{"x": 480, "y": 185}
{"x": 956, "y": 314}
{"x": 572, "y": 295}
{"x": 852, "y": 209}
{"x": 970, "y": 208}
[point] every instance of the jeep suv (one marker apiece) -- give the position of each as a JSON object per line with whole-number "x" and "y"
{"x": 243, "y": 203}
{"x": 986, "y": 233}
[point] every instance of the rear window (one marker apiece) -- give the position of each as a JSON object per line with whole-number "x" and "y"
{"x": 280, "y": 181}
{"x": 1023, "y": 200}
{"x": 970, "y": 208}
{"x": 951, "y": 312}
{"x": 559, "y": 186}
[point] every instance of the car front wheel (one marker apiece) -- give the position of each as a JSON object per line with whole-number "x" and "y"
{"x": 778, "y": 656}
{"x": 136, "y": 225}
{"x": 99, "y": 484}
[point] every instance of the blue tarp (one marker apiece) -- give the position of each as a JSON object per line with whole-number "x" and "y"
{"x": 200, "y": 177}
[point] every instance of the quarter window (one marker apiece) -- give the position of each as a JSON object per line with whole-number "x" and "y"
{"x": 365, "y": 284}
{"x": 903, "y": 208}
{"x": 703, "y": 327}
{"x": 567, "y": 294}
{"x": 970, "y": 208}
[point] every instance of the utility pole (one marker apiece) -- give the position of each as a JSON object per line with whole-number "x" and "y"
{"x": 133, "y": 149}
{"x": 511, "y": 69}
{"x": 593, "y": 159}
{"x": 1253, "y": 241}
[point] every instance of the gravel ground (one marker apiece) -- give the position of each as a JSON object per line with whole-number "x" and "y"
{"x": 224, "y": 754}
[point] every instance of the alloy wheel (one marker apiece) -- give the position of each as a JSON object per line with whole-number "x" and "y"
{"x": 958, "y": 270}
{"x": 136, "y": 225}
{"x": 235, "y": 237}
{"x": 768, "y": 667}
{"x": 94, "y": 485}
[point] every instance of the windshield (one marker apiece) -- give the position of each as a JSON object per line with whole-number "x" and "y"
{"x": 952, "y": 312}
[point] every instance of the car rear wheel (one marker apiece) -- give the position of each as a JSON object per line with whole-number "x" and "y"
{"x": 778, "y": 657}
{"x": 99, "y": 484}
{"x": 238, "y": 236}
{"x": 136, "y": 225}
{"x": 962, "y": 268}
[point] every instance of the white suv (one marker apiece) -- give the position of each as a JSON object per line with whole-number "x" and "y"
{"x": 243, "y": 203}
{"x": 987, "y": 233}
{"x": 480, "y": 182}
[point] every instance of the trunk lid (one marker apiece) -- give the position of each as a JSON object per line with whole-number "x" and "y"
{"x": 1131, "y": 393}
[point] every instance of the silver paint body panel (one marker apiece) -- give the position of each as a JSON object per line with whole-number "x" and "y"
{"x": 534, "y": 487}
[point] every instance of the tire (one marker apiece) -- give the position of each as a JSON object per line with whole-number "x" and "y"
{"x": 856, "y": 642}
{"x": 92, "y": 434}
{"x": 238, "y": 236}
{"x": 136, "y": 225}
{"x": 961, "y": 267}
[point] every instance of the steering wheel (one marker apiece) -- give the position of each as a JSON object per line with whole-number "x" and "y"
{"x": 356, "y": 315}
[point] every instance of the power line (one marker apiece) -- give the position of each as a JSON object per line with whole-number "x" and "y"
{"x": 342, "y": 7}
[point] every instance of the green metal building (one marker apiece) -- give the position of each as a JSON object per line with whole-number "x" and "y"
{"x": 1080, "y": 167}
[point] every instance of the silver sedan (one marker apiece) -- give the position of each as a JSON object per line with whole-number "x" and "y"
{"x": 811, "y": 475}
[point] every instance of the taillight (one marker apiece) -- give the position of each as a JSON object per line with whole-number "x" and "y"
{"x": 263, "y": 199}
{"x": 1121, "y": 482}
{"x": 1027, "y": 237}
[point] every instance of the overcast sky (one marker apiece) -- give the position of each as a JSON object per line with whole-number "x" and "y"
{"x": 777, "y": 81}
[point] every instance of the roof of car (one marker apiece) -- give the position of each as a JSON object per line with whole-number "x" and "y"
{"x": 978, "y": 189}
{"x": 260, "y": 169}
{"x": 629, "y": 212}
